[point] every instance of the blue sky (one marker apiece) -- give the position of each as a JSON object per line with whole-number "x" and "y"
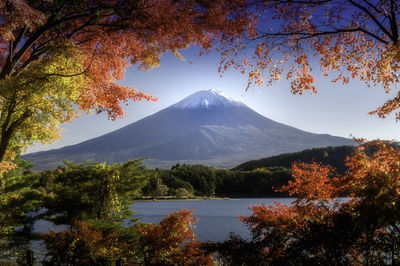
{"x": 337, "y": 109}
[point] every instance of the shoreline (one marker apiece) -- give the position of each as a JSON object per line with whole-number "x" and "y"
{"x": 180, "y": 199}
{"x": 232, "y": 197}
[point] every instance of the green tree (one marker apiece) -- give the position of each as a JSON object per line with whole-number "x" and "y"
{"x": 259, "y": 181}
{"x": 92, "y": 191}
{"x": 175, "y": 184}
{"x": 21, "y": 197}
{"x": 202, "y": 178}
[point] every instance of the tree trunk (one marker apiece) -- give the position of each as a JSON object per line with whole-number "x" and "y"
{"x": 7, "y": 132}
{"x": 4, "y": 141}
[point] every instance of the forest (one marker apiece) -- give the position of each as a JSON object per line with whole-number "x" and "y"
{"x": 63, "y": 59}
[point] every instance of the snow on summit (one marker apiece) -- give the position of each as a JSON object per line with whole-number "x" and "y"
{"x": 206, "y": 99}
{"x": 205, "y": 127}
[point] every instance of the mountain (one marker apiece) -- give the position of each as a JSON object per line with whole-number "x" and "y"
{"x": 205, "y": 127}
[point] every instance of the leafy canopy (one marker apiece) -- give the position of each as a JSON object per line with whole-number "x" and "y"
{"x": 348, "y": 39}
{"x": 60, "y": 56}
{"x": 94, "y": 192}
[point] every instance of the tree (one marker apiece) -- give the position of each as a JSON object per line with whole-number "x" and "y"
{"x": 351, "y": 39}
{"x": 83, "y": 245}
{"x": 97, "y": 192}
{"x": 260, "y": 181}
{"x": 20, "y": 200}
{"x": 57, "y": 56}
{"x": 319, "y": 227}
{"x": 169, "y": 242}
{"x": 172, "y": 242}
{"x": 200, "y": 177}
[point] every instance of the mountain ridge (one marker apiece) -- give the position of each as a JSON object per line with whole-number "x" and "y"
{"x": 205, "y": 127}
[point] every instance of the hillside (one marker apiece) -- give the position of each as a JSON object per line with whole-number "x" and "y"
{"x": 333, "y": 156}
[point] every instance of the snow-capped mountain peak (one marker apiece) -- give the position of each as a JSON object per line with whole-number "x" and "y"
{"x": 207, "y": 99}
{"x": 206, "y": 127}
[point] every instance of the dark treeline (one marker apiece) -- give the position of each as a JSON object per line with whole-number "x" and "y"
{"x": 199, "y": 180}
{"x": 333, "y": 156}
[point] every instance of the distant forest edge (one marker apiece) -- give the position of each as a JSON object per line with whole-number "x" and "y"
{"x": 333, "y": 156}
{"x": 201, "y": 181}
{"x": 256, "y": 178}
{"x": 253, "y": 178}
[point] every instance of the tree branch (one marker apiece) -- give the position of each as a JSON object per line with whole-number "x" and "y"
{"x": 372, "y": 6}
{"x": 91, "y": 14}
{"x": 8, "y": 69}
{"x": 363, "y": 8}
{"x": 6, "y": 122}
{"x": 32, "y": 58}
{"x": 393, "y": 23}
{"x": 308, "y": 35}
{"x": 51, "y": 23}
{"x": 59, "y": 75}
{"x": 20, "y": 36}
{"x": 19, "y": 121}
{"x": 12, "y": 46}
{"x": 305, "y": 2}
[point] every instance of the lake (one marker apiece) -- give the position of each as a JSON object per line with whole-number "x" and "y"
{"x": 217, "y": 217}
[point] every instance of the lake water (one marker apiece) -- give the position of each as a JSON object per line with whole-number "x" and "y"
{"x": 217, "y": 217}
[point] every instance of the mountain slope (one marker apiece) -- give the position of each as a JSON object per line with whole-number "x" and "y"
{"x": 206, "y": 127}
{"x": 333, "y": 156}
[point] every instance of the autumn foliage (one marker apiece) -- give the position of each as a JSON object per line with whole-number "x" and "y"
{"x": 320, "y": 227}
{"x": 344, "y": 39}
{"x": 311, "y": 181}
{"x": 172, "y": 242}
{"x": 169, "y": 242}
{"x": 105, "y": 34}
{"x": 83, "y": 245}
{"x": 56, "y": 56}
